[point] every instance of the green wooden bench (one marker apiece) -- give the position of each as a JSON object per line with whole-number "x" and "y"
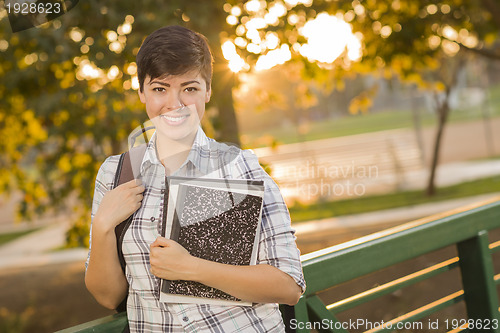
{"x": 467, "y": 229}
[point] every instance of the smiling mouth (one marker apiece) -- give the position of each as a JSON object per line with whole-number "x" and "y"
{"x": 174, "y": 118}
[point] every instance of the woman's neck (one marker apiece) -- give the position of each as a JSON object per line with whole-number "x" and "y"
{"x": 173, "y": 153}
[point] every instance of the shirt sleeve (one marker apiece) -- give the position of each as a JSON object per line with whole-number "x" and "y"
{"x": 277, "y": 246}
{"x": 103, "y": 183}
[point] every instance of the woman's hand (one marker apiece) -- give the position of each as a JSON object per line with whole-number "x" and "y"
{"x": 254, "y": 283}
{"x": 118, "y": 204}
{"x": 171, "y": 261}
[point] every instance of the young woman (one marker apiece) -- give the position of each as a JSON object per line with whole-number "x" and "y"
{"x": 175, "y": 70}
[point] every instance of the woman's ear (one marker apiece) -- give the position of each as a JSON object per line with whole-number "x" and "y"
{"x": 142, "y": 97}
{"x": 209, "y": 93}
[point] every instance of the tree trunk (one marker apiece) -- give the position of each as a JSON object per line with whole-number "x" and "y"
{"x": 485, "y": 111}
{"x": 210, "y": 20}
{"x": 442, "y": 110}
{"x": 223, "y": 83}
{"x": 417, "y": 125}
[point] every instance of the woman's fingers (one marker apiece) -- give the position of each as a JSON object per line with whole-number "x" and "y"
{"x": 161, "y": 242}
{"x": 134, "y": 184}
{"x": 121, "y": 202}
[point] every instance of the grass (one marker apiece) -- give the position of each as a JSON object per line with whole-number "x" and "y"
{"x": 8, "y": 237}
{"x": 322, "y": 210}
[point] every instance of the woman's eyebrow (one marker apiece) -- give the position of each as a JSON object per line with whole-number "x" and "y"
{"x": 188, "y": 83}
{"x": 168, "y": 85}
{"x": 160, "y": 83}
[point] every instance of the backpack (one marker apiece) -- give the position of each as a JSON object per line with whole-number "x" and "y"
{"x": 124, "y": 173}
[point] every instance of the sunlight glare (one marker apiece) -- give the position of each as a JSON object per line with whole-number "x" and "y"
{"x": 256, "y": 23}
{"x": 252, "y": 6}
{"x": 450, "y": 33}
{"x": 135, "y": 83}
{"x": 236, "y": 63}
{"x": 236, "y": 11}
{"x": 253, "y": 35}
{"x": 231, "y": 20}
{"x": 88, "y": 70}
{"x": 76, "y": 35}
{"x": 277, "y": 10}
{"x": 111, "y": 36}
{"x": 292, "y": 3}
{"x": 449, "y": 47}
{"x": 125, "y": 28}
{"x": 241, "y": 42}
{"x": 254, "y": 48}
{"x": 271, "y": 19}
{"x": 327, "y": 38}
{"x": 228, "y": 50}
{"x": 354, "y": 47}
{"x": 272, "y": 40}
{"x": 273, "y": 58}
{"x": 113, "y": 72}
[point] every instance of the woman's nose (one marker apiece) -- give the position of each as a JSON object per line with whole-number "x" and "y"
{"x": 174, "y": 102}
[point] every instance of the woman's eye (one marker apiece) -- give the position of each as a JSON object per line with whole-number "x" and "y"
{"x": 191, "y": 89}
{"x": 160, "y": 89}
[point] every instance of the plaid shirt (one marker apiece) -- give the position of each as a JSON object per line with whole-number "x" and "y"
{"x": 277, "y": 247}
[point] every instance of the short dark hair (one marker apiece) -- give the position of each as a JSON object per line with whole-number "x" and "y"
{"x": 174, "y": 50}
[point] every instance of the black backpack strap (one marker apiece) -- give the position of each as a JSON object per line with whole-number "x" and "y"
{"x": 288, "y": 314}
{"x": 128, "y": 166}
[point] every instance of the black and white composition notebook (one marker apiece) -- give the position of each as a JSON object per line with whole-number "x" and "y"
{"x": 217, "y": 220}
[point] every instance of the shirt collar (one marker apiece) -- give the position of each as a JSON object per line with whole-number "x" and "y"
{"x": 196, "y": 156}
{"x": 201, "y": 143}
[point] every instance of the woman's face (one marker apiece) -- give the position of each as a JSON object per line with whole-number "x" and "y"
{"x": 176, "y": 104}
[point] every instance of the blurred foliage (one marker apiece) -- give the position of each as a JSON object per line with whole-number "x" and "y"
{"x": 66, "y": 99}
{"x": 403, "y": 38}
{"x": 364, "y": 101}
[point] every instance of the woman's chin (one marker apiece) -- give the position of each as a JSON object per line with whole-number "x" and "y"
{"x": 178, "y": 133}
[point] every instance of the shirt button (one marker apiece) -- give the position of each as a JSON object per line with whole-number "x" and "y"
{"x": 152, "y": 219}
{"x": 162, "y": 191}
{"x": 185, "y": 319}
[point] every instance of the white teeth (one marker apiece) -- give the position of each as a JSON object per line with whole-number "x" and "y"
{"x": 174, "y": 119}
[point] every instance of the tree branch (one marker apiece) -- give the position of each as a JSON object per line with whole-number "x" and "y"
{"x": 494, "y": 8}
{"x": 493, "y": 54}
{"x": 488, "y": 53}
